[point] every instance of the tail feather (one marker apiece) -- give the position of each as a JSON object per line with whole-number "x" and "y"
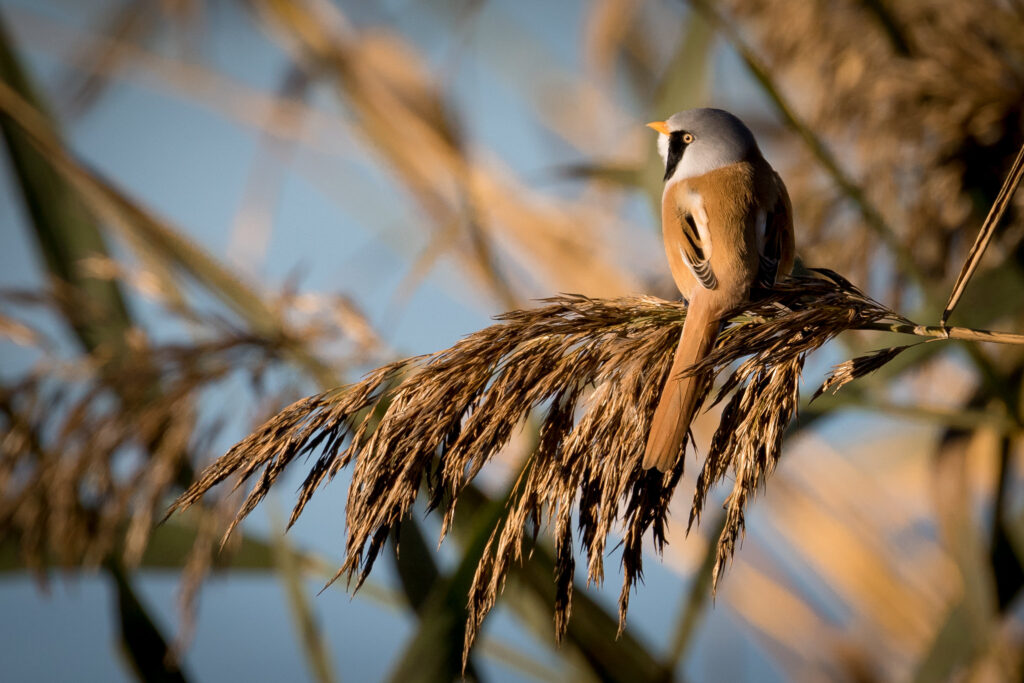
{"x": 681, "y": 395}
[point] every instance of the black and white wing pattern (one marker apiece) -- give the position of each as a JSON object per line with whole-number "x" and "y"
{"x": 695, "y": 245}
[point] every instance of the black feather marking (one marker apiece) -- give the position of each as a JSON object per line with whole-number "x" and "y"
{"x": 693, "y": 251}
{"x": 676, "y": 147}
{"x": 770, "y": 254}
{"x": 702, "y": 271}
{"x": 767, "y": 271}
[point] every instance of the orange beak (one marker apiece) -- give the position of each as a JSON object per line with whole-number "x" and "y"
{"x": 660, "y": 126}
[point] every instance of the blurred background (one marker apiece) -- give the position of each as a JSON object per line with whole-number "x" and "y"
{"x": 211, "y": 208}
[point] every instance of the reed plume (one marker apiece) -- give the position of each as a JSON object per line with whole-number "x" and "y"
{"x": 590, "y": 370}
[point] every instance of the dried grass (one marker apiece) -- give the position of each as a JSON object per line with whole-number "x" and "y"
{"x": 849, "y": 370}
{"x": 91, "y": 445}
{"x": 592, "y": 370}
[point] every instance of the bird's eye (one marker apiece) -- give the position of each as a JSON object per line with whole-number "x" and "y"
{"x": 687, "y": 138}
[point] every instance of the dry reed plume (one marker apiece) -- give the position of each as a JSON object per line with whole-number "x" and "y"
{"x": 591, "y": 370}
{"x": 73, "y": 489}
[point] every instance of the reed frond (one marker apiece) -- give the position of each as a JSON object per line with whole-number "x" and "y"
{"x": 852, "y": 369}
{"x": 592, "y": 369}
{"x": 75, "y": 488}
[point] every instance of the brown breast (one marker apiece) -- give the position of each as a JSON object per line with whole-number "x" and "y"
{"x": 730, "y": 197}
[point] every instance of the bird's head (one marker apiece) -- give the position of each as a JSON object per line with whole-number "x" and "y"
{"x": 697, "y": 141}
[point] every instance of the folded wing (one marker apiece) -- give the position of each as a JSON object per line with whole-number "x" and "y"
{"x": 694, "y": 239}
{"x": 775, "y": 240}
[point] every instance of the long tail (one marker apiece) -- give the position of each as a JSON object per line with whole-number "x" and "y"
{"x": 679, "y": 397}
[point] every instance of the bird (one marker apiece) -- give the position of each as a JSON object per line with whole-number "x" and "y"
{"x": 727, "y": 228}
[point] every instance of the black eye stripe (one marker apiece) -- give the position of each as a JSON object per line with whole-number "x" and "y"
{"x": 676, "y": 147}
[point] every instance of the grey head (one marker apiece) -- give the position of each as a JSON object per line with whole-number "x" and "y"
{"x": 697, "y": 141}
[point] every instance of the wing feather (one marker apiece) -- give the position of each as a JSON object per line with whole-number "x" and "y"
{"x": 695, "y": 245}
{"x": 774, "y": 237}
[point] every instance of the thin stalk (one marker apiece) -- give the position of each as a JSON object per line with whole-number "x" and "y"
{"x": 939, "y": 332}
{"x": 988, "y": 228}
